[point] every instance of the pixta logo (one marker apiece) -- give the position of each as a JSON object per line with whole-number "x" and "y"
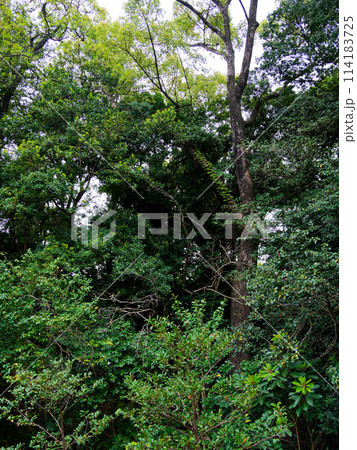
{"x": 158, "y": 224}
{"x": 253, "y": 225}
{"x": 94, "y": 227}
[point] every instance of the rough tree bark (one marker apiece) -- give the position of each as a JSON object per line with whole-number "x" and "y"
{"x": 246, "y": 248}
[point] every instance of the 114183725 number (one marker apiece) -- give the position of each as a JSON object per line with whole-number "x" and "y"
{"x": 348, "y": 53}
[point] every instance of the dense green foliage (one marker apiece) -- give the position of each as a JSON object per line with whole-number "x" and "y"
{"x": 126, "y": 343}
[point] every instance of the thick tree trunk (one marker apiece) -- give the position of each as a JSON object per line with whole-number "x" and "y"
{"x": 245, "y": 262}
{"x": 245, "y": 258}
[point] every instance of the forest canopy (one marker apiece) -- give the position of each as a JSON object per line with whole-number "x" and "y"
{"x": 168, "y": 232}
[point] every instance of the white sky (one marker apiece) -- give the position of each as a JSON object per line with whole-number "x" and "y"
{"x": 115, "y": 9}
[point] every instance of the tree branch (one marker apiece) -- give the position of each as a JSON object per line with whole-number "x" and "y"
{"x": 155, "y": 55}
{"x": 163, "y": 91}
{"x": 216, "y": 30}
{"x": 185, "y": 75}
{"x": 245, "y": 12}
{"x": 219, "y": 5}
{"x": 266, "y": 439}
{"x": 209, "y": 48}
{"x": 260, "y": 102}
{"x": 38, "y": 426}
{"x": 275, "y": 94}
{"x": 248, "y": 49}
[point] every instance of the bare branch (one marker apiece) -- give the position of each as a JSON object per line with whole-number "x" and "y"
{"x": 185, "y": 75}
{"x": 155, "y": 55}
{"x": 248, "y": 49}
{"x": 209, "y": 49}
{"x": 245, "y": 12}
{"x": 216, "y": 30}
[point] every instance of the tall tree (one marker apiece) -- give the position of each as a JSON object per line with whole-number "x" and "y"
{"x": 215, "y": 21}
{"x": 209, "y": 26}
{"x": 155, "y": 49}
